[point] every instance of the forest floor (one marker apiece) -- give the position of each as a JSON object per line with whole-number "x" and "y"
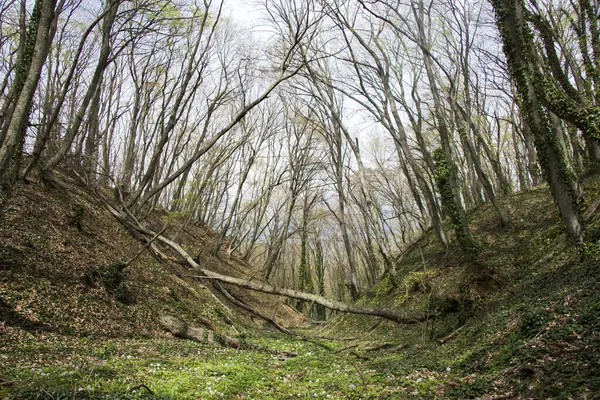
{"x": 523, "y": 322}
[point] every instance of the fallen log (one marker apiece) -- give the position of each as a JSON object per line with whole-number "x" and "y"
{"x": 392, "y": 315}
{"x": 180, "y": 329}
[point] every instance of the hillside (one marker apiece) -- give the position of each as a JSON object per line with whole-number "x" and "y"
{"x": 523, "y": 322}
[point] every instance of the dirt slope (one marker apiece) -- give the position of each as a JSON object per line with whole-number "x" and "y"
{"x": 523, "y": 322}
{"x": 60, "y": 273}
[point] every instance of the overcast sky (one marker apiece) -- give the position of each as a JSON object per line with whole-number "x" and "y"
{"x": 243, "y": 11}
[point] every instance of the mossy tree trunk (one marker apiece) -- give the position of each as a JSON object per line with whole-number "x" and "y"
{"x": 577, "y": 106}
{"x": 42, "y": 27}
{"x": 521, "y": 57}
{"x": 446, "y": 173}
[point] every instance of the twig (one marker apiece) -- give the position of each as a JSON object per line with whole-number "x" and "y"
{"x": 350, "y": 346}
{"x": 361, "y": 356}
{"x": 378, "y": 347}
{"x": 133, "y": 389}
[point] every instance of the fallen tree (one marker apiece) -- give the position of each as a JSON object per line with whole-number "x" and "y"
{"x": 405, "y": 317}
{"x": 392, "y": 315}
{"x": 182, "y": 330}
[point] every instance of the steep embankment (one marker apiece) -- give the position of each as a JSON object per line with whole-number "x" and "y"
{"x": 523, "y": 322}
{"x": 69, "y": 267}
{"x": 72, "y": 277}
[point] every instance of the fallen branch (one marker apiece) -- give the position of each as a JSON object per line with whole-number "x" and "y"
{"x": 148, "y": 245}
{"x": 378, "y": 347}
{"x": 399, "y": 348}
{"x": 350, "y": 346}
{"x": 142, "y": 386}
{"x": 335, "y": 339}
{"x": 361, "y": 356}
{"x": 450, "y": 336}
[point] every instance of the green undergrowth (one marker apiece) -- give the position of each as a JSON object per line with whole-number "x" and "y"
{"x": 175, "y": 369}
{"x": 521, "y": 321}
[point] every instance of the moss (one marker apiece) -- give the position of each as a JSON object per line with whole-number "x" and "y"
{"x": 450, "y": 206}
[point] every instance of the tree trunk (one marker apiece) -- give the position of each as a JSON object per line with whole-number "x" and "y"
{"x": 519, "y": 53}
{"x": 39, "y": 39}
{"x": 103, "y": 61}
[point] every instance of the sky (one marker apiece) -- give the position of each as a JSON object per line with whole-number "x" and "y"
{"x": 243, "y": 11}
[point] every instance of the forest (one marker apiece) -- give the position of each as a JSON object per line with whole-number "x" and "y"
{"x": 315, "y": 165}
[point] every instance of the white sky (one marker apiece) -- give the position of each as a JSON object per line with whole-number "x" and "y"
{"x": 246, "y": 12}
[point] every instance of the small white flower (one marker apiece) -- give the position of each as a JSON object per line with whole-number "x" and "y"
{"x": 351, "y": 386}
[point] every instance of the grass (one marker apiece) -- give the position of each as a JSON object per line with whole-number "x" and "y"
{"x": 185, "y": 370}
